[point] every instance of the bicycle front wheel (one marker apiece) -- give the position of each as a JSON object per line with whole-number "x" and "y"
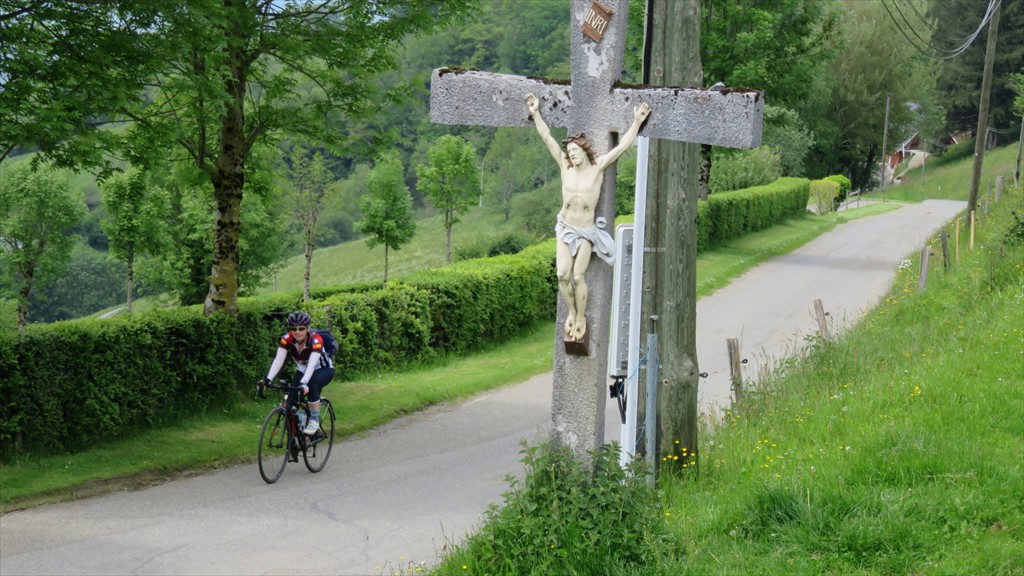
{"x": 274, "y": 444}
{"x": 318, "y": 448}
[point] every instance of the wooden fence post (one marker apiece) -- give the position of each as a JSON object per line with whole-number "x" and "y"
{"x": 736, "y": 374}
{"x": 971, "y": 243}
{"x": 922, "y": 279}
{"x": 944, "y": 238}
{"x": 819, "y": 313}
{"x": 999, "y": 187}
{"x": 956, "y": 243}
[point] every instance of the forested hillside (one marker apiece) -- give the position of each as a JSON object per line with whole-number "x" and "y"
{"x": 327, "y": 99}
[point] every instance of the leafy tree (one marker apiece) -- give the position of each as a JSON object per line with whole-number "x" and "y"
{"x": 872, "y": 60}
{"x": 8, "y": 315}
{"x": 185, "y": 268}
{"x": 387, "y": 208}
{"x": 537, "y": 208}
{"x": 786, "y": 134}
{"x": 136, "y": 221}
{"x": 91, "y": 282}
{"x": 37, "y": 213}
{"x": 311, "y": 184}
{"x": 778, "y": 47}
{"x": 65, "y": 65}
{"x": 237, "y": 72}
{"x": 537, "y": 44}
{"x": 513, "y": 165}
{"x": 452, "y": 180}
{"x": 1017, "y": 85}
{"x": 959, "y": 79}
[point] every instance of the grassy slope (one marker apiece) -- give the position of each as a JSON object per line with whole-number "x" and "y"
{"x": 355, "y": 262}
{"x": 896, "y": 451}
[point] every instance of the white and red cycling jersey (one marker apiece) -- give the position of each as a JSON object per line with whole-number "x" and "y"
{"x": 314, "y": 344}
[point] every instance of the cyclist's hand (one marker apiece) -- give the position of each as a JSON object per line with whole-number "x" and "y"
{"x": 261, "y": 385}
{"x": 305, "y": 389}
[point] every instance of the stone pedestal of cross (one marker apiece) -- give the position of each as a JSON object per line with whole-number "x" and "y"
{"x": 593, "y": 103}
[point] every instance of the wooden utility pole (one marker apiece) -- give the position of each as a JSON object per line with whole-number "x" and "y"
{"x": 986, "y": 88}
{"x": 1020, "y": 153}
{"x": 885, "y": 145}
{"x": 670, "y": 264}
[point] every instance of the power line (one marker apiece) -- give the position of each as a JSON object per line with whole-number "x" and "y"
{"x": 927, "y": 48}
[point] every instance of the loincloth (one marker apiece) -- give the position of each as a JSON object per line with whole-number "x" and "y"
{"x": 601, "y": 241}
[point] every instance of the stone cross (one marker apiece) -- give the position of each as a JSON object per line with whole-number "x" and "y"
{"x": 596, "y": 104}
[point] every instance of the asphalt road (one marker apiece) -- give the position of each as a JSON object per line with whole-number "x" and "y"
{"x": 394, "y": 498}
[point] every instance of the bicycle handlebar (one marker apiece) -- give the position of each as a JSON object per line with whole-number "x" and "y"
{"x": 281, "y": 384}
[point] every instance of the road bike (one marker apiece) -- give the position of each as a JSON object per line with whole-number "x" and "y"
{"x": 281, "y": 438}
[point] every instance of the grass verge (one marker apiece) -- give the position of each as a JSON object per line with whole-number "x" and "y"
{"x": 899, "y": 450}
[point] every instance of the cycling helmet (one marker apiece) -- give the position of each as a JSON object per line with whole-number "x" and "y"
{"x": 299, "y": 319}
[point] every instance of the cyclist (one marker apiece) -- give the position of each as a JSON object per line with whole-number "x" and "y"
{"x": 314, "y": 367}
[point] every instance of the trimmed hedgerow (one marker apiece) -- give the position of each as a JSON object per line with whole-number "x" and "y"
{"x": 66, "y": 385}
{"x": 729, "y": 215}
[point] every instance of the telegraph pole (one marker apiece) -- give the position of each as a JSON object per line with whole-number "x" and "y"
{"x": 885, "y": 144}
{"x": 670, "y": 265}
{"x": 1020, "y": 150}
{"x": 981, "y": 136}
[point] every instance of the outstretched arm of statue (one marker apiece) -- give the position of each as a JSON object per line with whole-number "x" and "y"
{"x": 640, "y": 113}
{"x": 533, "y": 105}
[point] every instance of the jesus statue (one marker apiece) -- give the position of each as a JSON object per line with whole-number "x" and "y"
{"x": 579, "y": 233}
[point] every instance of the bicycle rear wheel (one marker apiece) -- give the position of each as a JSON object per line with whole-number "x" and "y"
{"x": 274, "y": 442}
{"x": 318, "y": 448}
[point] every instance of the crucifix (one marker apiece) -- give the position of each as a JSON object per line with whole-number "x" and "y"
{"x": 595, "y": 104}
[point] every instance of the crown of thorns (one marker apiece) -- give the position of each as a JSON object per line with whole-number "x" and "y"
{"x": 580, "y": 140}
{"x": 574, "y": 138}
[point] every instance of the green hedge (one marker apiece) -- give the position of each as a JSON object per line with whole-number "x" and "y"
{"x": 67, "y": 385}
{"x": 728, "y": 215}
{"x": 844, "y": 187}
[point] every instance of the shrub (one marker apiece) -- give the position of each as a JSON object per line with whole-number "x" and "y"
{"x": 739, "y": 170}
{"x": 511, "y": 243}
{"x": 844, "y": 187}
{"x": 565, "y": 517}
{"x": 508, "y": 244}
{"x": 824, "y": 194}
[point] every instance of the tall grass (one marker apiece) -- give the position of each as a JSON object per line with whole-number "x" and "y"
{"x": 899, "y": 450}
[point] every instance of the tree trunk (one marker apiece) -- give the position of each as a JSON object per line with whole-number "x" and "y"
{"x": 448, "y": 237}
{"x": 385, "y": 265}
{"x": 131, "y": 281}
{"x": 228, "y": 178}
{"x": 309, "y": 265}
{"x": 23, "y": 295}
{"x": 670, "y": 267}
{"x": 227, "y": 190}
